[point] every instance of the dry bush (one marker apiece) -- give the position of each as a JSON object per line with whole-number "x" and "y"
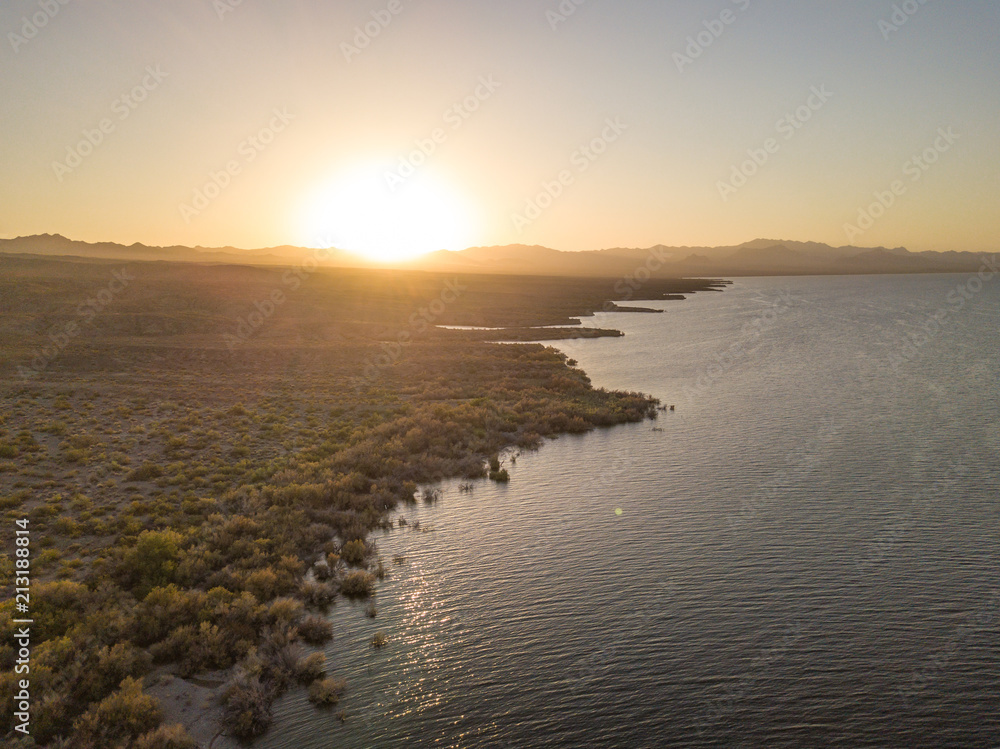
{"x": 311, "y": 668}
{"x": 315, "y": 630}
{"x": 358, "y": 584}
{"x": 326, "y": 691}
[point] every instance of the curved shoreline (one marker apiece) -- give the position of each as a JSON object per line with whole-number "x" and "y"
{"x": 201, "y": 482}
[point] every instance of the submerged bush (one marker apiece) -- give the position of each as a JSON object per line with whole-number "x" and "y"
{"x": 311, "y": 668}
{"x": 326, "y": 691}
{"x": 316, "y": 594}
{"x": 315, "y": 630}
{"x": 358, "y": 584}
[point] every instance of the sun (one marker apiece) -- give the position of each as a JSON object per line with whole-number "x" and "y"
{"x": 360, "y": 211}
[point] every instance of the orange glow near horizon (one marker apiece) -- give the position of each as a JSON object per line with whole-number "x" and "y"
{"x": 361, "y": 212}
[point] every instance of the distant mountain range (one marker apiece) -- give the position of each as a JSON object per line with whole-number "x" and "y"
{"x": 761, "y": 257}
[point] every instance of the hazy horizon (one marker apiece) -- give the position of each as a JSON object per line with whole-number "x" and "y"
{"x": 393, "y": 128}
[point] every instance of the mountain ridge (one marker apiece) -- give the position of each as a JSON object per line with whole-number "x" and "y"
{"x": 757, "y": 257}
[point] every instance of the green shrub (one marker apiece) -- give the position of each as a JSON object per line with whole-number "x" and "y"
{"x": 154, "y": 559}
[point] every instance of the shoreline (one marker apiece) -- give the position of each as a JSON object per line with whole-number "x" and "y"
{"x": 200, "y": 504}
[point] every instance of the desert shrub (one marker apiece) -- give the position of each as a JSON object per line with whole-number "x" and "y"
{"x": 317, "y": 594}
{"x": 57, "y": 606}
{"x": 145, "y": 472}
{"x": 326, "y": 691}
{"x": 281, "y": 662}
{"x": 153, "y": 561}
{"x": 263, "y": 583}
{"x": 285, "y": 610}
{"x": 246, "y": 707}
{"x": 315, "y": 630}
{"x": 163, "y": 609}
{"x": 114, "y": 664}
{"x": 197, "y": 648}
{"x": 354, "y": 552}
{"x": 118, "y": 719}
{"x": 166, "y": 737}
{"x": 357, "y": 584}
{"x": 311, "y": 668}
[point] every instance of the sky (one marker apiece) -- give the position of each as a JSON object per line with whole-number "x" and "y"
{"x": 393, "y": 127}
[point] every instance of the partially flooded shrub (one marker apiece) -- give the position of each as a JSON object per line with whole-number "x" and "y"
{"x": 311, "y": 668}
{"x": 315, "y": 630}
{"x": 326, "y": 691}
{"x": 317, "y": 594}
{"x": 358, "y": 584}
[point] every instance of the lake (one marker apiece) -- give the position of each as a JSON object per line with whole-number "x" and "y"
{"x": 804, "y": 553}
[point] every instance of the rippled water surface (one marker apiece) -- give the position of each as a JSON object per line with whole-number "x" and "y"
{"x": 803, "y": 554}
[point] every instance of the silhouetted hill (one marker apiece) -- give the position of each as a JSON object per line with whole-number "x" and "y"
{"x": 755, "y": 258}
